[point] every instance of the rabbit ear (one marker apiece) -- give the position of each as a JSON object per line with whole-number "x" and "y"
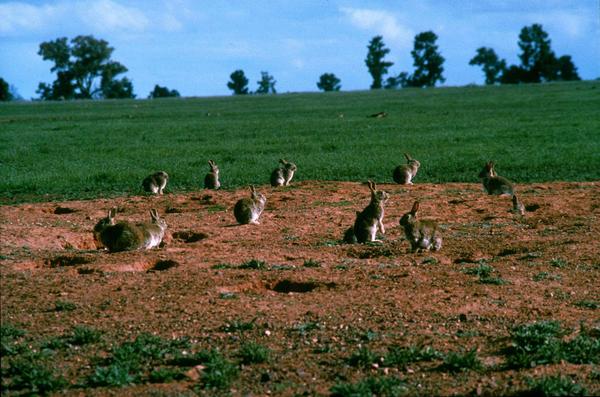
{"x": 112, "y": 213}
{"x": 283, "y": 161}
{"x": 252, "y": 189}
{"x": 415, "y": 208}
{"x": 371, "y": 185}
{"x": 210, "y": 162}
{"x": 154, "y": 214}
{"x": 407, "y": 156}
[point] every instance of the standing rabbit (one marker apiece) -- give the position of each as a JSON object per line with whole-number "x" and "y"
{"x": 370, "y": 219}
{"x": 404, "y": 173}
{"x": 422, "y": 234}
{"x": 282, "y": 175}
{"x": 211, "y": 180}
{"x": 518, "y": 207}
{"x": 126, "y": 236}
{"x": 156, "y": 182}
{"x": 494, "y": 184}
{"x": 248, "y": 209}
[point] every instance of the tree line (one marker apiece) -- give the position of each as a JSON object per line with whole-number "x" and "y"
{"x": 84, "y": 68}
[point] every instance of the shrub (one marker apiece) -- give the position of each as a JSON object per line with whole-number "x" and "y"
{"x": 83, "y": 335}
{"x": 253, "y": 353}
{"x": 8, "y": 340}
{"x": 461, "y": 361}
{"x": 218, "y": 373}
{"x": 28, "y": 375}
{"x": 380, "y": 386}
{"x": 253, "y": 264}
{"x": 363, "y": 357}
{"x": 554, "y": 386}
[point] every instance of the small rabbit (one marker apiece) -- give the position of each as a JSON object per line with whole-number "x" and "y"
{"x": 125, "y": 236}
{"x": 404, "y": 173}
{"x": 156, "y": 182}
{"x": 494, "y": 184}
{"x": 423, "y": 234}
{"x": 211, "y": 180}
{"x": 282, "y": 175}
{"x": 518, "y": 207}
{"x": 370, "y": 219}
{"x": 248, "y": 209}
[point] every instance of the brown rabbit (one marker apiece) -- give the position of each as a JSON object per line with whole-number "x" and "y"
{"x": 518, "y": 207}
{"x": 370, "y": 219}
{"x": 248, "y": 209}
{"x": 211, "y": 180}
{"x": 404, "y": 173}
{"x": 494, "y": 184}
{"x": 156, "y": 182}
{"x": 282, "y": 175}
{"x": 422, "y": 234}
{"x": 125, "y": 236}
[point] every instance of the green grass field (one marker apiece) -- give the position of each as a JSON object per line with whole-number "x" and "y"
{"x": 87, "y": 149}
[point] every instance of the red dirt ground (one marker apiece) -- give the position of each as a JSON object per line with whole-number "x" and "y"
{"x": 363, "y": 295}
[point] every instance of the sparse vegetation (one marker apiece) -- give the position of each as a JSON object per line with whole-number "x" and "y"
{"x": 383, "y": 386}
{"x": 253, "y": 353}
{"x": 401, "y": 356}
{"x": 461, "y": 361}
{"x": 554, "y": 386}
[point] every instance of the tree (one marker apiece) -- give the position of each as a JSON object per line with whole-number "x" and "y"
{"x": 5, "y": 94}
{"x": 427, "y": 61}
{"x": 538, "y": 61}
{"x": 238, "y": 83}
{"x": 329, "y": 82}
{"x": 162, "y": 92}
{"x": 375, "y": 62}
{"x": 83, "y": 69}
{"x": 566, "y": 69}
{"x": 266, "y": 84}
{"x": 492, "y": 66}
{"x": 537, "y": 58}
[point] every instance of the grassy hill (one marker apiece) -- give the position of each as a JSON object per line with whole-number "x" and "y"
{"x": 85, "y": 149}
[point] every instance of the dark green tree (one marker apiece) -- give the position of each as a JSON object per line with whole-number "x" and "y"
{"x": 329, "y": 82}
{"x": 566, "y": 69}
{"x": 375, "y": 62}
{"x": 537, "y": 58}
{"x": 538, "y": 61}
{"x": 83, "y": 69}
{"x": 5, "y": 94}
{"x": 266, "y": 84}
{"x": 238, "y": 83}
{"x": 162, "y": 92}
{"x": 493, "y": 67}
{"x": 428, "y": 61}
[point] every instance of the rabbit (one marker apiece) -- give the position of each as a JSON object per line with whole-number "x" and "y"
{"x": 494, "y": 184}
{"x": 422, "y": 234}
{"x": 282, "y": 175}
{"x": 404, "y": 173}
{"x": 248, "y": 209}
{"x": 156, "y": 182}
{"x": 370, "y": 219}
{"x": 518, "y": 207}
{"x": 211, "y": 180}
{"x": 126, "y": 236}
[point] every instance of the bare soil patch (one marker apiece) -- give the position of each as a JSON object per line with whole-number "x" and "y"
{"x": 311, "y": 300}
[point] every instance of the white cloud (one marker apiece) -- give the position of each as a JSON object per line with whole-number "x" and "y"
{"x": 17, "y": 17}
{"x": 381, "y": 22}
{"x": 107, "y": 15}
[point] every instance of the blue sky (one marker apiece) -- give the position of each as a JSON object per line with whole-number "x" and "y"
{"x": 193, "y": 46}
